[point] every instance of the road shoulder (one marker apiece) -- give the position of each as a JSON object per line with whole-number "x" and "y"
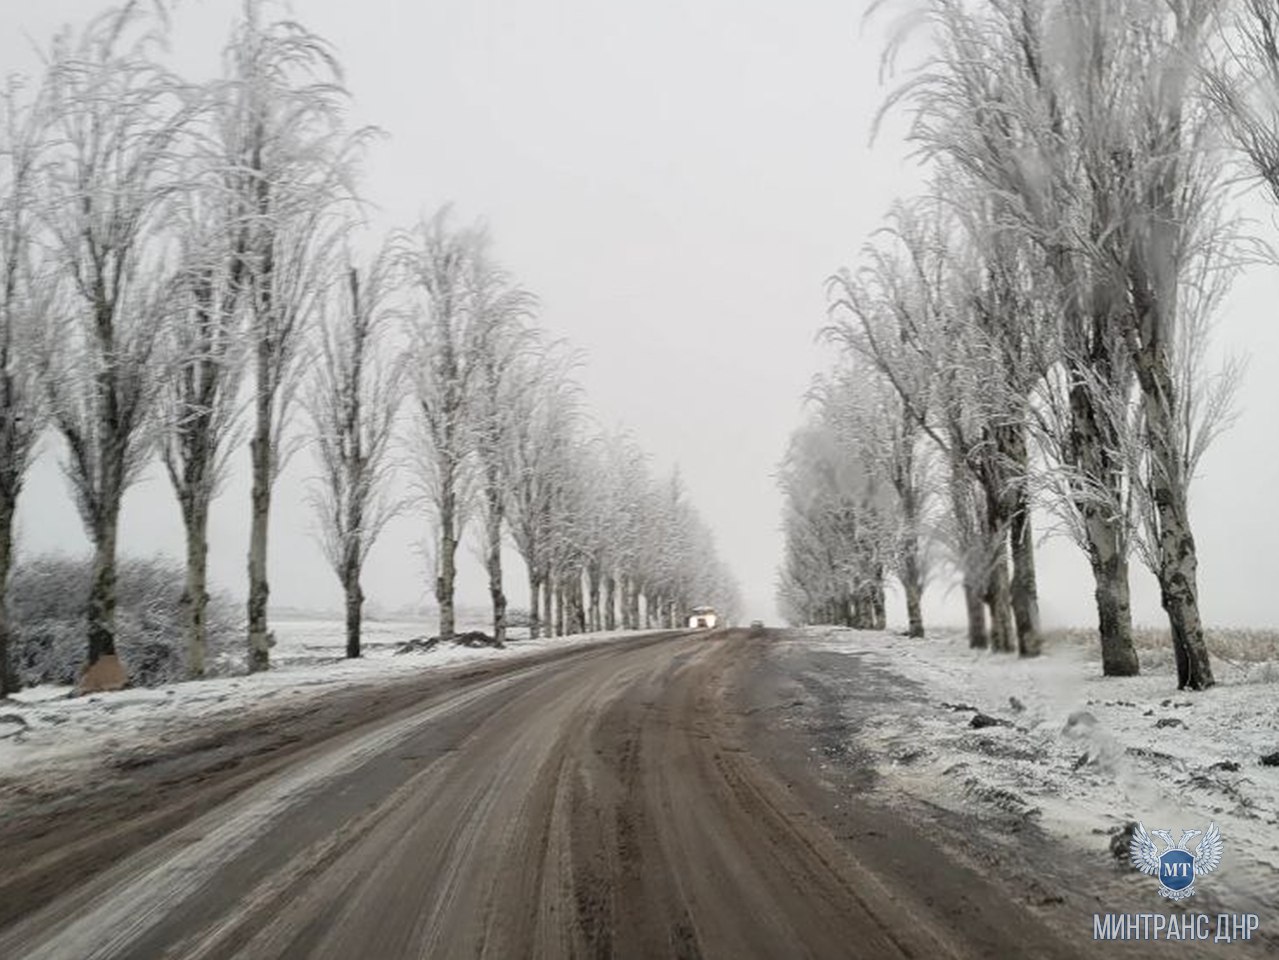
{"x": 882, "y": 736}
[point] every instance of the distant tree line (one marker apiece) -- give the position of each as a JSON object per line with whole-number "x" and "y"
{"x": 1032, "y": 329}
{"x": 178, "y": 277}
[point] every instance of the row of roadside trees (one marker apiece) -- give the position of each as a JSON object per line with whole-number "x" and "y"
{"x": 181, "y": 272}
{"x": 1032, "y": 330}
{"x": 498, "y": 434}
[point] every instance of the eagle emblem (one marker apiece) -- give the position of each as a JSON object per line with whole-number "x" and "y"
{"x": 1176, "y": 868}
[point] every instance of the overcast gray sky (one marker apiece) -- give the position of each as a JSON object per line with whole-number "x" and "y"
{"x": 675, "y": 181}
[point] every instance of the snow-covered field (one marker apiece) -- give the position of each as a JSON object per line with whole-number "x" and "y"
{"x": 1081, "y": 754}
{"x": 47, "y": 733}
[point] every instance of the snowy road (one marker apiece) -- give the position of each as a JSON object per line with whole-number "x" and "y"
{"x": 637, "y": 799}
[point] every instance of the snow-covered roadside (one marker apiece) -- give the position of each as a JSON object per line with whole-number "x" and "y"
{"x": 46, "y": 733}
{"x": 1080, "y": 754}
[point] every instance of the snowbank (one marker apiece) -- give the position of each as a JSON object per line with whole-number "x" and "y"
{"x": 46, "y": 731}
{"x": 1078, "y": 753}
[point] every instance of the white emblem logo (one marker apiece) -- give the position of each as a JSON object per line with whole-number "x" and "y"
{"x": 1176, "y": 868}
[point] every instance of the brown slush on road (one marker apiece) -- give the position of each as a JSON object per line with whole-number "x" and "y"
{"x": 611, "y": 802}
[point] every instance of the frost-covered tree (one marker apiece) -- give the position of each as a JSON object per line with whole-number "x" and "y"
{"x": 870, "y": 420}
{"x": 668, "y": 541}
{"x": 203, "y": 354}
{"x": 1010, "y": 344}
{"x": 1088, "y": 122}
{"x": 631, "y": 480}
{"x": 936, "y": 335}
{"x": 544, "y": 412}
{"x": 618, "y": 462}
{"x": 288, "y": 159}
{"x": 975, "y": 105}
{"x": 25, "y": 292}
{"x": 1245, "y": 86}
{"x": 497, "y": 340}
{"x": 353, "y": 398}
{"x": 442, "y": 375}
{"x": 674, "y": 565}
{"x": 600, "y": 531}
{"x": 565, "y": 522}
{"x": 834, "y": 525}
{"x": 116, "y": 123}
{"x": 1147, "y": 143}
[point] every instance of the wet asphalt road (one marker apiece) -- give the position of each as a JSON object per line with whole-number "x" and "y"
{"x": 635, "y": 799}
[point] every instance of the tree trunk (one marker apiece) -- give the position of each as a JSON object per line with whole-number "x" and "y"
{"x": 8, "y": 673}
{"x": 195, "y": 594}
{"x": 559, "y": 605}
{"x": 610, "y": 599}
{"x": 566, "y": 614}
{"x": 1194, "y": 669}
{"x": 259, "y": 590}
{"x": 444, "y": 580}
{"x": 913, "y": 586}
{"x": 548, "y": 605}
{"x": 102, "y": 590}
{"x": 969, "y": 544}
{"x": 997, "y": 600}
{"x": 977, "y": 636}
{"x": 496, "y": 594}
{"x": 493, "y": 531}
{"x": 1178, "y": 565}
{"x": 548, "y": 621}
{"x": 1114, "y": 611}
{"x": 912, "y": 569}
{"x": 996, "y": 593}
{"x": 594, "y": 621}
{"x": 1179, "y": 590}
{"x": 578, "y": 588}
{"x": 534, "y": 624}
{"x": 1025, "y": 588}
{"x": 354, "y": 606}
{"x": 1093, "y": 446}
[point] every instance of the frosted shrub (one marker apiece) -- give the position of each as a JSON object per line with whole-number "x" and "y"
{"x": 48, "y": 597}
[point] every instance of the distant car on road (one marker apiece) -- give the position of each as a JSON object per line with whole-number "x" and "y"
{"x": 757, "y": 628}
{"x": 702, "y": 618}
